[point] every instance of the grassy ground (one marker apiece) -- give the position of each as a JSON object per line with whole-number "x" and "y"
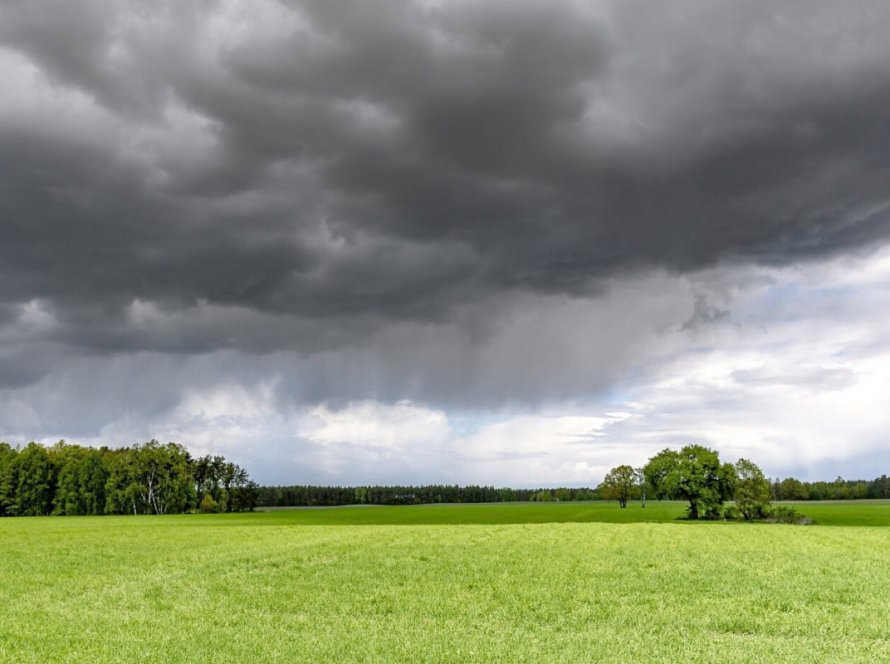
{"x": 834, "y": 513}
{"x": 486, "y": 513}
{"x": 444, "y": 584}
{"x": 845, "y": 512}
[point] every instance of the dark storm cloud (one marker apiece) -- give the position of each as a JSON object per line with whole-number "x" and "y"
{"x": 197, "y": 175}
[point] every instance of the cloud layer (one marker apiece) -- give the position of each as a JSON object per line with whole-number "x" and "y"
{"x": 487, "y": 210}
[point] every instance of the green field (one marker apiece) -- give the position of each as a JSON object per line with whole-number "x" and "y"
{"x": 828, "y": 513}
{"x": 505, "y": 583}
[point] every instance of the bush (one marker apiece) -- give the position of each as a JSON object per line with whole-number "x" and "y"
{"x": 785, "y": 514}
{"x": 777, "y": 514}
{"x": 208, "y": 504}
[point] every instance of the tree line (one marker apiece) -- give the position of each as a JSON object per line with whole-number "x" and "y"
{"x": 151, "y": 478}
{"x": 622, "y": 484}
{"x": 330, "y": 496}
{"x": 840, "y": 489}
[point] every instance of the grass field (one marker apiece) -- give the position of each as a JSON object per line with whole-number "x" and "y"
{"x": 488, "y": 583}
{"x": 833, "y": 513}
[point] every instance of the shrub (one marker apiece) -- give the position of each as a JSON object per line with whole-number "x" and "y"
{"x": 785, "y": 514}
{"x": 208, "y": 504}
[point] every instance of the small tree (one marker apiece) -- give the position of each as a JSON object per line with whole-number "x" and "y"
{"x": 619, "y": 484}
{"x": 208, "y": 504}
{"x": 752, "y": 494}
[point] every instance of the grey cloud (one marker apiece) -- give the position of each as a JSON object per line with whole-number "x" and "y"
{"x": 816, "y": 379}
{"x": 23, "y": 366}
{"x": 522, "y": 350}
{"x": 297, "y": 176}
{"x": 704, "y": 313}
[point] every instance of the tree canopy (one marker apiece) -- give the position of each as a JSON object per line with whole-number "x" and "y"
{"x": 620, "y": 484}
{"x": 151, "y": 478}
{"x": 693, "y": 474}
{"x": 752, "y": 493}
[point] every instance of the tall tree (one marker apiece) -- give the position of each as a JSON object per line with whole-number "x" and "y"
{"x": 620, "y": 484}
{"x": 657, "y": 469}
{"x": 752, "y": 493}
{"x": 35, "y": 479}
{"x": 82, "y": 475}
{"x": 226, "y": 483}
{"x": 694, "y": 474}
{"x": 122, "y": 489}
{"x": 7, "y": 494}
{"x": 69, "y": 498}
{"x": 165, "y": 477}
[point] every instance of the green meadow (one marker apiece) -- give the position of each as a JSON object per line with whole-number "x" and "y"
{"x": 563, "y": 582}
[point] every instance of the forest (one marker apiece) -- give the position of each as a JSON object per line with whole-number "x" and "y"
{"x": 151, "y": 478}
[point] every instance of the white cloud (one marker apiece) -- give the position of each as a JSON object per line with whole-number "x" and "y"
{"x": 374, "y": 424}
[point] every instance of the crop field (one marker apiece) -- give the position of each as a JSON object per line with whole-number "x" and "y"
{"x": 490, "y": 583}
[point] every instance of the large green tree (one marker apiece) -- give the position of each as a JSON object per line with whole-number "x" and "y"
{"x": 150, "y": 479}
{"x": 620, "y": 484}
{"x": 657, "y": 469}
{"x": 693, "y": 474}
{"x": 34, "y": 478}
{"x": 82, "y": 480}
{"x": 752, "y": 493}
{"x": 227, "y": 484}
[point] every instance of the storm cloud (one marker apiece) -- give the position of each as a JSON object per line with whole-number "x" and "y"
{"x": 474, "y": 205}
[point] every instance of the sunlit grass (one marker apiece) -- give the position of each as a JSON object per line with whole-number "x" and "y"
{"x": 486, "y": 513}
{"x": 845, "y": 512}
{"x": 281, "y": 587}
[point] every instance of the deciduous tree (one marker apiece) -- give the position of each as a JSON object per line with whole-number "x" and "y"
{"x": 620, "y": 484}
{"x": 7, "y": 462}
{"x": 752, "y": 494}
{"x": 694, "y": 474}
{"x": 34, "y": 480}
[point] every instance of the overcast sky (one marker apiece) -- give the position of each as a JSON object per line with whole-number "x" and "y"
{"x": 512, "y": 243}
